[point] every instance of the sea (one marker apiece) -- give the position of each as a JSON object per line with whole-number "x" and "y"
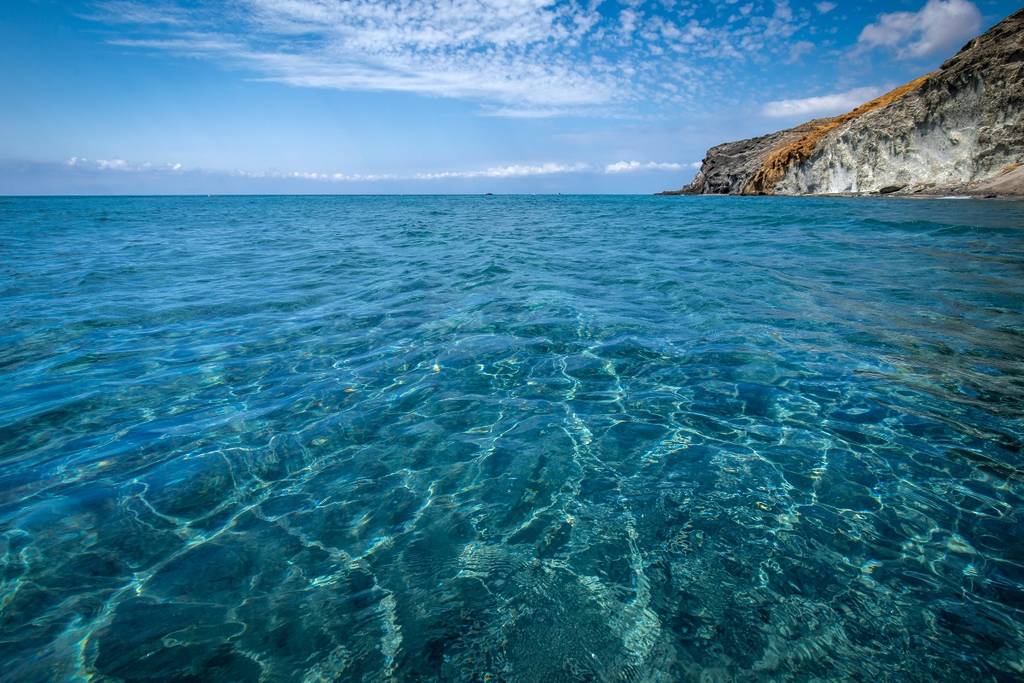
{"x": 511, "y": 438}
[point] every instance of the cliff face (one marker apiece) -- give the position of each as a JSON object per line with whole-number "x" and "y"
{"x": 958, "y": 130}
{"x": 728, "y": 168}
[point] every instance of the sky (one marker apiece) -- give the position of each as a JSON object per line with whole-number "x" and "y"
{"x": 434, "y": 96}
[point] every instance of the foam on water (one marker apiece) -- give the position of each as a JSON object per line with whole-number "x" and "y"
{"x": 524, "y": 438}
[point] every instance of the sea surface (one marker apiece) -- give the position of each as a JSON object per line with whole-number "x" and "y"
{"x": 511, "y": 439}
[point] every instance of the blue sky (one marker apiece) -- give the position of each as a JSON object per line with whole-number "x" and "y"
{"x": 341, "y": 96}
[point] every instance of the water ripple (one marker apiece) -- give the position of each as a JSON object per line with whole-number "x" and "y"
{"x": 524, "y": 439}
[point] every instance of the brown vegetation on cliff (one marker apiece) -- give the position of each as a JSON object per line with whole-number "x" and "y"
{"x": 775, "y": 164}
{"x": 958, "y": 130}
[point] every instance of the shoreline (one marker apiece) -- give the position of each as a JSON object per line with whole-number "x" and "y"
{"x": 857, "y": 195}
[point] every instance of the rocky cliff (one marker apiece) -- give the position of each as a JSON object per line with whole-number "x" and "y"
{"x": 958, "y": 130}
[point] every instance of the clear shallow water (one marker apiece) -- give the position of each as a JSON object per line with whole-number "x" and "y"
{"x": 529, "y": 439}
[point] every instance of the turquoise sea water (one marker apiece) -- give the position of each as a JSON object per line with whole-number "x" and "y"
{"x": 523, "y": 439}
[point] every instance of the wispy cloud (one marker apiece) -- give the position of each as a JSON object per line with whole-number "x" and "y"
{"x": 798, "y": 50}
{"x": 511, "y": 171}
{"x": 835, "y": 103}
{"x": 496, "y": 172}
{"x": 536, "y": 112}
{"x": 119, "y": 165}
{"x": 488, "y": 50}
{"x": 308, "y": 175}
{"x": 939, "y": 27}
{"x": 517, "y": 58}
{"x": 142, "y": 14}
{"x": 634, "y": 166}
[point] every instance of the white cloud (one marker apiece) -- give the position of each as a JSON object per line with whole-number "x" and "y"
{"x": 517, "y": 58}
{"x": 311, "y": 175}
{"x": 628, "y": 19}
{"x": 508, "y": 171}
{"x": 531, "y": 112}
{"x": 133, "y": 12}
{"x": 825, "y": 7}
{"x": 835, "y": 103}
{"x": 799, "y": 49}
{"x": 633, "y": 166}
{"x": 488, "y": 50}
{"x": 512, "y": 171}
{"x": 113, "y": 164}
{"x": 938, "y": 28}
{"x": 495, "y": 172}
{"x": 119, "y": 165}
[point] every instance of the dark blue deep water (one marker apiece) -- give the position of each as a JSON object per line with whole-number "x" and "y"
{"x": 524, "y": 439}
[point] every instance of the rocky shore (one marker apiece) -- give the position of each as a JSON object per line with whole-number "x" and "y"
{"x": 956, "y": 131}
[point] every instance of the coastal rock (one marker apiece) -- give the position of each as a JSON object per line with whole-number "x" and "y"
{"x": 958, "y": 130}
{"x": 729, "y": 167}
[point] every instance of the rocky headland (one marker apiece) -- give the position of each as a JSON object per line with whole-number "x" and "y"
{"x": 956, "y": 131}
